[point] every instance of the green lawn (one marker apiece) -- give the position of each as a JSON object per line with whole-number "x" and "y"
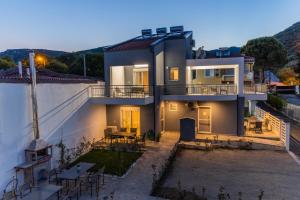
{"x": 116, "y": 163}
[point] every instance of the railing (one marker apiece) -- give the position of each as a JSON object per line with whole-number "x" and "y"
{"x": 199, "y": 89}
{"x": 255, "y": 89}
{"x": 130, "y": 91}
{"x": 226, "y": 89}
{"x": 121, "y": 91}
{"x": 292, "y": 111}
{"x": 278, "y": 125}
{"x": 97, "y": 91}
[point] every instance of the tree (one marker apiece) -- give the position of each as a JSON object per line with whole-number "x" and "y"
{"x": 57, "y": 66}
{"x": 6, "y": 62}
{"x": 288, "y": 76}
{"x": 94, "y": 63}
{"x": 297, "y": 68}
{"x": 269, "y": 54}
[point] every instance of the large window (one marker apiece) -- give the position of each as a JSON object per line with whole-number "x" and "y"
{"x": 174, "y": 74}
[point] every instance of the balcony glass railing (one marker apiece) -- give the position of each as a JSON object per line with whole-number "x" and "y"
{"x": 199, "y": 89}
{"x": 121, "y": 91}
{"x": 256, "y": 89}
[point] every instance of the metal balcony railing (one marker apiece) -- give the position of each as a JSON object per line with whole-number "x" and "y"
{"x": 121, "y": 91}
{"x": 256, "y": 89}
{"x": 130, "y": 91}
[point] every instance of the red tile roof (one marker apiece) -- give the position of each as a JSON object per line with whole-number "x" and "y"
{"x": 133, "y": 44}
{"x": 43, "y": 76}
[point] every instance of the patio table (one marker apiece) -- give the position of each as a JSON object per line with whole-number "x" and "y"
{"x": 124, "y": 134}
{"x": 43, "y": 192}
{"x": 73, "y": 173}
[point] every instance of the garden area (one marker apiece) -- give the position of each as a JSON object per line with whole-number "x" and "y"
{"x": 115, "y": 162}
{"x": 115, "y": 157}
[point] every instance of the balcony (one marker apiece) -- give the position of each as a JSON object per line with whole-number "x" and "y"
{"x": 255, "y": 89}
{"x": 205, "y": 92}
{"x": 256, "y": 92}
{"x": 200, "y": 89}
{"x": 121, "y": 94}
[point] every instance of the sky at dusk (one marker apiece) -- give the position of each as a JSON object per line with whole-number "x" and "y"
{"x": 72, "y": 25}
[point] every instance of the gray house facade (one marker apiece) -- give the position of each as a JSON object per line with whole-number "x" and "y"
{"x": 156, "y": 79}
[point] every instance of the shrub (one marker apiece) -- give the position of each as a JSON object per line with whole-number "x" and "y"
{"x": 276, "y": 102}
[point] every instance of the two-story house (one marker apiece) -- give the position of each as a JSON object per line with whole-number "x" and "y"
{"x": 155, "y": 79}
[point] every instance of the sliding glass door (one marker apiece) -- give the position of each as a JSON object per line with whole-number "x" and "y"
{"x": 130, "y": 118}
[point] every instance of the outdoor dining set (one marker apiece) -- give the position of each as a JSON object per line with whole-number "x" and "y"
{"x": 64, "y": 183}
{"x": 256, "y": 125}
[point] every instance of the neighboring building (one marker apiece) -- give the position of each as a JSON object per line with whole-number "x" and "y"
{"x": 153, "y": 80}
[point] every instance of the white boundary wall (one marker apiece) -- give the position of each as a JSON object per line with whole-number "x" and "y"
{"x": 64, "y": 113}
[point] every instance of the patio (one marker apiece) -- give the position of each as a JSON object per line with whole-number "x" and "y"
{"x": 255, "y": 127}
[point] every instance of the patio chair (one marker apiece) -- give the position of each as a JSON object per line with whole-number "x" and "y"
{"x": 117, "y": 92}
{"x": 107, "y": 134}
{"x": 100, "y": 174}
{"x": 11, "y": 195}
{"x": 138, "y": 91}
{"x": 213, "y": 90}
{"x": 141, "y": 140}
{"x": 90, "y": 182}
{"x": 52, "y": 176}
{"x": 267, "y": 125}
{"x": 133, "y": 131}
{"x": 10, "y": 191}
{"x": 101, "y": 144}
{"x": 25, "y": 189}
{"x": 122, "y": 130}
{"x": 73, "y": 192}
{"x": 258, "y": 127}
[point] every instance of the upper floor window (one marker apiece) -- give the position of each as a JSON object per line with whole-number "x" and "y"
{"x": 209, "y": 72}
{"x": 173, "y": 73}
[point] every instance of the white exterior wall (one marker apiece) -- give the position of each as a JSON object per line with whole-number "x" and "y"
{"x": 64, "y": 113}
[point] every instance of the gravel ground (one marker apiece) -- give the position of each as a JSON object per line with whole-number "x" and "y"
{"x": 274, "y": 172}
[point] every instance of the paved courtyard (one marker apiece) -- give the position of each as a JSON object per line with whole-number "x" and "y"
{"x": 274, "y": 172}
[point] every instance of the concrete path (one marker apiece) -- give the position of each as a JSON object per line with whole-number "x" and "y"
{"x": 138, "y": 183}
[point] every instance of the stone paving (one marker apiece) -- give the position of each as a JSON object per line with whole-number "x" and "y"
{"x": 274, "y": 172}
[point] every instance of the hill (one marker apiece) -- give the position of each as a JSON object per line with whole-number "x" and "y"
{"x": 290, "y": 38}
{"x": 20, "y": 54}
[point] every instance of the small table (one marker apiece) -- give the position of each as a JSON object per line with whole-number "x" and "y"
{"x": 73, "y": 173}
{"x": 43, "y": 192}
{"x": 124, "y": 134}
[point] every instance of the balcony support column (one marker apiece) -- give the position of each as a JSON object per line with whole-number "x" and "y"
{"x": 240, "y": 115}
